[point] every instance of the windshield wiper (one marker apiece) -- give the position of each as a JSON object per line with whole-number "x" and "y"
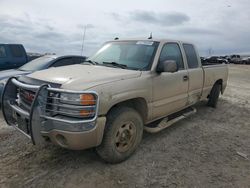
{"x": 91, "y": 62}
{"x": 115, "y": 64}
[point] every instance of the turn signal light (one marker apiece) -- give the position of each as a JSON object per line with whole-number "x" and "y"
{"x": 88, "y": 99}
{"x": 87, "y": 112}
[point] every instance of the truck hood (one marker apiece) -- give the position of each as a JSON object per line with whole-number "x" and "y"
{"x": 80, "y": 77}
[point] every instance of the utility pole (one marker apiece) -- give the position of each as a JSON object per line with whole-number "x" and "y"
{"x": 83, "y": 38}
{"x": 210, "y": 51}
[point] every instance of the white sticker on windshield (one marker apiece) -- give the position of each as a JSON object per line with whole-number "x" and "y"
{"x": 149, "y": 43}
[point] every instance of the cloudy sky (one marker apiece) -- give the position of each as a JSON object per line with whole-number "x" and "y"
{"x": 223, "y": 26}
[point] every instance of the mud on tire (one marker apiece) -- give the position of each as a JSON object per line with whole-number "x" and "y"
{"x": 123, "y": 133}
{"x": 214, "y": 95}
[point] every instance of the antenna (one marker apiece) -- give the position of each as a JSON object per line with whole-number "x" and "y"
{"x": 83, "y": 38}
{"x": 151, "y": 36}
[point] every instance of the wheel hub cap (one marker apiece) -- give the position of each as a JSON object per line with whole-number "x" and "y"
{"x": 125, "y": 137}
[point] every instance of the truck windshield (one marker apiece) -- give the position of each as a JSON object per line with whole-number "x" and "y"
{"x": 37, "y": 64}
{"x": 136, "y": 55}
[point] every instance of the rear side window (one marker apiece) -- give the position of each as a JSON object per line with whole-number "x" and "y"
{"x": 78, "y": 60}
{"x": 191, "y": 55}
{"x": 63, "y": 62}
{"x": 2, "y": 51}
{"x": 16, "y": 50}
{"x": 171, "y": 51}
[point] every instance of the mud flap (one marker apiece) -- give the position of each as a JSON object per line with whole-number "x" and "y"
{"x": 35, "y": 120}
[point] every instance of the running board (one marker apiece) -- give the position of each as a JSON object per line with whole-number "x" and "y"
{"x": 171, "y": 119}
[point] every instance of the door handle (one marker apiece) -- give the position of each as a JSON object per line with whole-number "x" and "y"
{"x": 185, "y": 78}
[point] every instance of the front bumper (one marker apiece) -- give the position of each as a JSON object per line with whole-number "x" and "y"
{"x": 77, "y": 140}
{"x": 38, "y": 124}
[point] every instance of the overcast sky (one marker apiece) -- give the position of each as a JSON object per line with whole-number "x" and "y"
{"x": 57, "y": 25}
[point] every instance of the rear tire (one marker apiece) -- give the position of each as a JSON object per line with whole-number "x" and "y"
{"x": 214, "y": 95}
{"x": 123, "y": 133}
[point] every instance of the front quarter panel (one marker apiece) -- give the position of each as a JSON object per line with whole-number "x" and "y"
{"x": 119, "y": 91}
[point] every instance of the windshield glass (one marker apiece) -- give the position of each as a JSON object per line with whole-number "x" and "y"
{"x": 37, "y": 64}
{"x": 136, "y": 55}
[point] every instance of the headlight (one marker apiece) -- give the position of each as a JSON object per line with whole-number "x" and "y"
{"x": 87, "y": 99}
{"x": 78, "y": 105}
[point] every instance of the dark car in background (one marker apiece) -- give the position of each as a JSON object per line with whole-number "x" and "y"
{"x": 40, "y": 63}
{"x": 214, "y": 60}
{"x": 12, "y": 56}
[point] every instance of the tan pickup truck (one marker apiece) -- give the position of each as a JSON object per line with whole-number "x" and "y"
{"x": 107, "y": 101}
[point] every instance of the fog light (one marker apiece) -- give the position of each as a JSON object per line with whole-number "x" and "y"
{"x": 61, "y": 140}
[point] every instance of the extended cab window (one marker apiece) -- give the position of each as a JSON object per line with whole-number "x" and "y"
{"x": 191, "y": 55}
{"x": 16, "y": 50}
{"x": 2, "y": 51}
{"x": 171, "y": 51}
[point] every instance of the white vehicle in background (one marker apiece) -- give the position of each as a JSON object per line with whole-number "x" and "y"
{"x": 236, "y": 59}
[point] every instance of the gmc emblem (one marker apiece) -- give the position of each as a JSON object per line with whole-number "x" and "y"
{"x": 28, "y": 96}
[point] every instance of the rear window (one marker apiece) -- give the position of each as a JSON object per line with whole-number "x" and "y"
{"x": 37, "y": 64}
{"x": 191, "y": 55}
{"x": 16, "y": 50}
{"x": 78, "y": 60}
{"x": 2, "y": 51}
{"x": 63, "y": 62}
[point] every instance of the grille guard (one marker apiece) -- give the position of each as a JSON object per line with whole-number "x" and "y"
{"x": 37, "y": 114}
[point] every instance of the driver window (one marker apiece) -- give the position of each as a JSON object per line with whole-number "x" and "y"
{"x": 171, "y": 51}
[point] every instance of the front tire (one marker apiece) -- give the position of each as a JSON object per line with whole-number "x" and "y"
{"x": 214, "y": 96}
{"x": 123, "y": 134}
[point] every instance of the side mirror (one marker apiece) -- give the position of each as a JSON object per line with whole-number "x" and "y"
{"x": 167, "y": 66}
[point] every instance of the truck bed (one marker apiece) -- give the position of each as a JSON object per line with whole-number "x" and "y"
{"x": 212, "y": 73}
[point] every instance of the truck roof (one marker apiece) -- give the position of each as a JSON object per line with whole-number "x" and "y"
{"x": 150, "y": 40}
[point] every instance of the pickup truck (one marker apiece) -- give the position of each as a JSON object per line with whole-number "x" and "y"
{"x": 12, "y": 56}
{"x": 106, "y": 103}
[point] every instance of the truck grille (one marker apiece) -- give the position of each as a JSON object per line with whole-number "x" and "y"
{"x": 26, "y": 98}
{"x": 51, "y": 104}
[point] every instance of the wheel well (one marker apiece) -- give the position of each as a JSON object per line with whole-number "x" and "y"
{"x": 139, "y": 104}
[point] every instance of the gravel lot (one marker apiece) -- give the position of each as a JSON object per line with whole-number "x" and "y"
{"x": 200, "y": 151}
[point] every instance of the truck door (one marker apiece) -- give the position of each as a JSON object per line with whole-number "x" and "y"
{"x": 195, "y": 74}
{"x": 170, "y": 90}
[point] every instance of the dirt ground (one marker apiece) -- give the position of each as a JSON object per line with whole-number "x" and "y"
{"x": 200, "y": 151}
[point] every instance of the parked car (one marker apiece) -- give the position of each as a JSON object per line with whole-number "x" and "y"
{"x": 216, "y": 60}
{"x": 246, "y": 60}
{"x": 223, "y": 60}
{"x": 236, "y": 59}
{"x": 12, "y": 56}
{"x": 40, "y": 63}
{"x": 107, "y": 103}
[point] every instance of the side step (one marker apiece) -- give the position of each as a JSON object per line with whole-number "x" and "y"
{"x": 169, "y": 120}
